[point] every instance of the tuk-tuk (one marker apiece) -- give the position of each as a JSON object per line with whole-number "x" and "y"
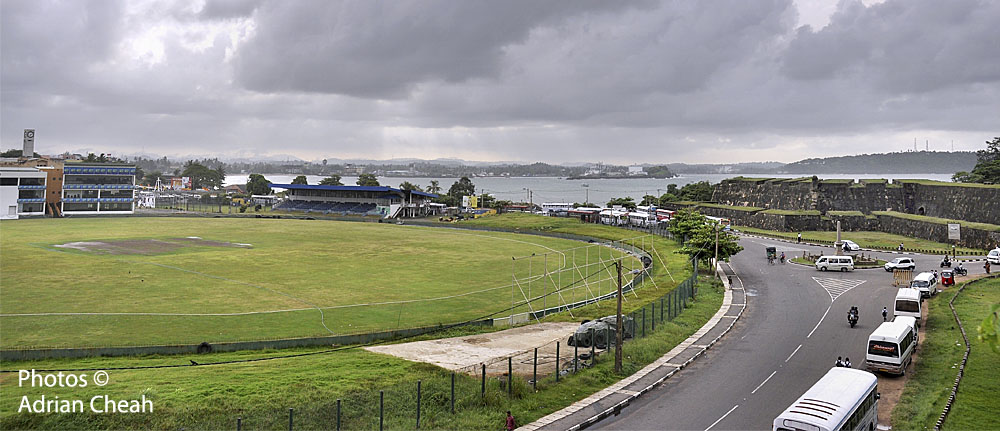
{"x": 772, "y": 253}
{"x": 947, "y": 278}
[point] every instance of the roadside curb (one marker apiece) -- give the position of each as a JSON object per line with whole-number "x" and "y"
{"x": 660, "y": 364}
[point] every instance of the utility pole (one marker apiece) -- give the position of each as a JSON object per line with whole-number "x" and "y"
{"x": 618, "y": 322}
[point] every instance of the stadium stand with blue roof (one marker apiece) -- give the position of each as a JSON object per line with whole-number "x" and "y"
{"x": 386, "y": 202}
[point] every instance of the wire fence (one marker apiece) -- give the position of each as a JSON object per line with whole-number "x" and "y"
{"x": 435, "y": 402}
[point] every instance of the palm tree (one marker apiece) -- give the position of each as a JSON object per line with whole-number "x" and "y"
{"x": 434, "y": 187}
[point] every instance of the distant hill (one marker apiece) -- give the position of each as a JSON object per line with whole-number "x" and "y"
{"x": 915, "y": 162}
{"x": 725, "y": 168}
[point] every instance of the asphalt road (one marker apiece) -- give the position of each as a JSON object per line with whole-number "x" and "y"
{"x": 791, "y": 334}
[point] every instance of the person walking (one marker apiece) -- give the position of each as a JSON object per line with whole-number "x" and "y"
{"x": 510, "y": 425}
{"x": 799, "y": 239}
{"x": 847, "y": 362}
{"x": 987, "y": 267}
{"x": 840, "y": 361}
{"x": 885, "y": 313}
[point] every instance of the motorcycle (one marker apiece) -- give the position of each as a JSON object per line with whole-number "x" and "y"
{"x": 960, "y": 270}
{"x": 852, "y": 316}
{"x": 946, "y": 263}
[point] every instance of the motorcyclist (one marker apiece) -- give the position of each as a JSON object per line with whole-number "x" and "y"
{"x": 782, "y": 257}
{"x": 852, "y": 314}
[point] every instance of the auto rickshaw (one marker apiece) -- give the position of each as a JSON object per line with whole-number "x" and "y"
{"x": 772, "y": 253}
{"x": 947, "y": 278}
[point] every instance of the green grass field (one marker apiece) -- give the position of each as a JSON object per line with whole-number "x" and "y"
{"x": 363, "y": 276}
{"x": 927, "y": 391}
{"x": 212, "y": 397}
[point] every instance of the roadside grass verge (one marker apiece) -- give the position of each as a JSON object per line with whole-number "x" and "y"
{"x": 978, "y": 402}
{"x": 865, "y": 239}
{"x": 927, "y": 391}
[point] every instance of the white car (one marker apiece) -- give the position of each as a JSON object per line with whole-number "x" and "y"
{"x": 994, "y": 257}
{"x": 900, "y": 263}
{"x": 850, "y": 245}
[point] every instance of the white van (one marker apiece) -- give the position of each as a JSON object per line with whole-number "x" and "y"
{"x": 835, "y": 263}
{"x": 907, "y": 304}
{"x": 890, "y": 348}
{"x": 912, "y": 323}
{"x": 994, "y": 257}
{"x": 926, "y": 283}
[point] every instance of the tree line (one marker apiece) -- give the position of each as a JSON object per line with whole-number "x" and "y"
{"x": 987, "y": 169}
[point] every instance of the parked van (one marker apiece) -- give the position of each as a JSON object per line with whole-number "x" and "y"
{"x": 890, "y": 348}
{"x": 907, "y": 304}
{"x": 926, "y": 283}
{"x": 912, "y": 323}
{"x": 835, "y": 263}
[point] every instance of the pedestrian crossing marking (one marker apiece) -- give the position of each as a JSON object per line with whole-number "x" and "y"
{"x": 836, "y": 287}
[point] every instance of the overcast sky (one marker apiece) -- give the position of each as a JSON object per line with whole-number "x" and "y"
{"x": 699, "y": 81}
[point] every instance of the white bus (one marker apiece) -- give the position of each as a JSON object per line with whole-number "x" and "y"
{"x": 890, "y": 348}
{"x": 844, "y": 399}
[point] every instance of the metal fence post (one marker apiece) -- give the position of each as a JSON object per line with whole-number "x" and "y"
{"x": 652, "y": 322}
{"x": 510, "y": 376}
{"x": 418, "y": 404}
{"x": 534, "y": 371}
{"x": 290, "y": 414}
{"x": 483, "y": 392}
{"x": 557, "y": 361}
{"x": 661, "y": 309}
{"x": 643, "y": 321}
{"x": 338, "y": 414}
{"x": 576, "y": 355}
{"x": 593, "y": 343}
{"x": 381, "y": 409}
{"x": 239, "y": 424}
{"x": 452, "y": 392}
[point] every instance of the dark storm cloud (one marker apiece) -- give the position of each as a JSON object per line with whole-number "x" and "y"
{"x": 382, "y": 50}
{"x": 527, "y": 80}
{"x": 912, "y": 46}
{"x": 225, "y": 9}
{"x": 45, "y": 44}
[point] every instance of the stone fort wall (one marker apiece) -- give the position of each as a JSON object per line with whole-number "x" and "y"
{"x": 934, "y": 199}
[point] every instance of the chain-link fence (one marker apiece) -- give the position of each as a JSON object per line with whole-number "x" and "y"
{"x": 488, "y": 386}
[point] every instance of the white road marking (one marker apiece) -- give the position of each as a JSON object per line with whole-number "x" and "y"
{"x": 723, "y": 417}
{"x": 793, "y": 353}
{"x": 762, "y": 383}
{"x": 820, "y": 321}
{"x": 836, "y": 287}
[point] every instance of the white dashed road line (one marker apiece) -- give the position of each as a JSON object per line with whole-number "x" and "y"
{"x": 765, "y": 381}
{"x": 820, "y": 321}
{"x": 723, "y": 417}
{"x": 793, "y": 353}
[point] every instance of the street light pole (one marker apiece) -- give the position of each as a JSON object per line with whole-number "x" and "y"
{"x": 717, "y": 244}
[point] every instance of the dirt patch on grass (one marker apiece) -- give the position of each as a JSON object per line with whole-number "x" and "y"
{"x": 466, "y": 354}
{"x": 145, "y": 247}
